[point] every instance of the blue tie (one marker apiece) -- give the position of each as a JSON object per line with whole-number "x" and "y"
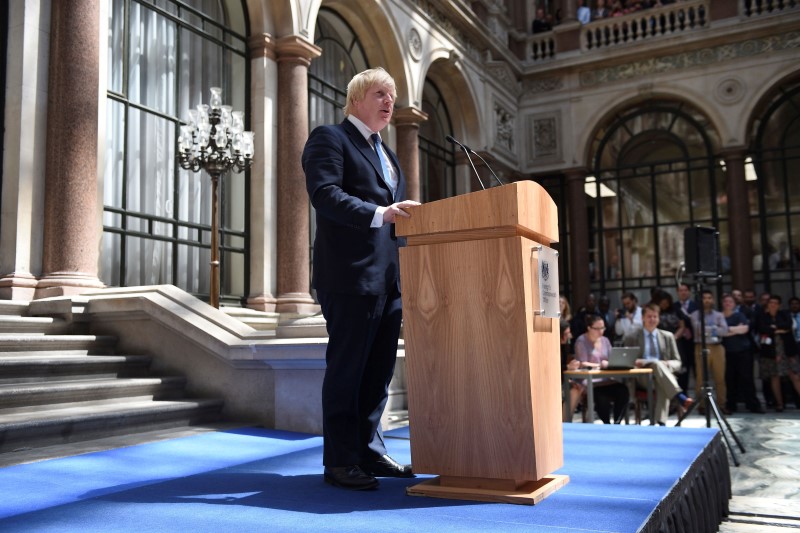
{"x": 652, "y": 346}
{"x": 387, "y": 177}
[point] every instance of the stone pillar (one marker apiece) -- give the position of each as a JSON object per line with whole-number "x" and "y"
{"x": 263, "y": 250}
{"x": 407, "y": 122}
{"x": 71, "y": 235}
{"x": 578, "y": 235}
{"x": 570, "y": 10}
{"x": 740, "y": 233}
{"x": 23, "y": 165}
{"x": 294, "y": 284}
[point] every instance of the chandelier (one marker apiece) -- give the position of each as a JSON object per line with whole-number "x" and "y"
{"x": 214, "y": 140}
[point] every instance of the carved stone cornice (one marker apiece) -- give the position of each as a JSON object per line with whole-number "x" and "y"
{"x": 701, "y": 57}
{"x": 542, "y": 85}
{"x": 502, "y": 72}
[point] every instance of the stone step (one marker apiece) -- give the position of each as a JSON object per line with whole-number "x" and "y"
{"x": 38, "y": 368}
{"x": 15, "y": 345}
{"x": 32, "y": 325}
{"x": 59, "y": 389}
{"x": 48, "y": 427}
{"x": 23, "y": 396}
{"x": 13, "y": 307}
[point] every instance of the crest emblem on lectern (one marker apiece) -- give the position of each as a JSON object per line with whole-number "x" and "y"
{"x": 545, "y": 270}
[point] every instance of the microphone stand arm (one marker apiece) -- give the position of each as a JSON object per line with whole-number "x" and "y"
{"x": 466, "y": 152}
{"x": 485, "y": 163}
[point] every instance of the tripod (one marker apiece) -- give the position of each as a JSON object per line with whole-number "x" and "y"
{"x": 707, "y": 395}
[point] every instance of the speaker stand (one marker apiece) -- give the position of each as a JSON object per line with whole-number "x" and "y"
{"x": 707, "y": 399}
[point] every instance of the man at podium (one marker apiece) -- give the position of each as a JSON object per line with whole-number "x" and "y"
{"x": 357, "y": 188}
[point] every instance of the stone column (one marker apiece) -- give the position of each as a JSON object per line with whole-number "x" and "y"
{"x": 740, "y": 233}
{"x": 294, "y": 284}
{"x": 263, "y": 94}
{"x": 23, "y": 165}
{"x": 578, "y": 235}
{"x": 407, "y": 122}
{"x": 71, "y": 238}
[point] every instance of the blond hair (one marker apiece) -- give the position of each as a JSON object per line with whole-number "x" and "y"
{"x": 361, "y": 82}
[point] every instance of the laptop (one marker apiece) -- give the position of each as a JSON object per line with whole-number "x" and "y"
{"x": 623, "y": 358}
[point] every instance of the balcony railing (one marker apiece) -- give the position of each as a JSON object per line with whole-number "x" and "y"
{"x": 542, "y": 46}
{"x": 645, "y": 25}
{"x": 751, "y": 8}
{"x": 650, "y": 26}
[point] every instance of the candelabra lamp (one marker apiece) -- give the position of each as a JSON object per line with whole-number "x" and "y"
{"x": 214, "y": 140}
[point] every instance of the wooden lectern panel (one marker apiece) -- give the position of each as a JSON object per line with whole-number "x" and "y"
{"x": 522, "y": 208}
{"x": 482, "y": 370}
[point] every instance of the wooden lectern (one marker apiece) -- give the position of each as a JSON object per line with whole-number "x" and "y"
{"x": 482, "y": 366}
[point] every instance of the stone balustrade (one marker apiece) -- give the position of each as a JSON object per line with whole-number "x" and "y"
{"x": 755, "y": 8}
{"x": 645, "y": 25}
{"x": 542, "y": 46}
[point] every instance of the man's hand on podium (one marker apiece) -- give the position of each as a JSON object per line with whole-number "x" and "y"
{"x": 398, "y": 209}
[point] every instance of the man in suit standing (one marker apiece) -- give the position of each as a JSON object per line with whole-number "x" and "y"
{"x": 660, "y": 353}
{"x": 357, "y": 189}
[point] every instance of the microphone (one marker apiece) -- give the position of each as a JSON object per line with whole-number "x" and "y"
{"x": 467, "y": 151}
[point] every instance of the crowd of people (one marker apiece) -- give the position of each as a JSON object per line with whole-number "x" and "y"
{"x": 672, "y": 334}
{"x": 589, "y": 10}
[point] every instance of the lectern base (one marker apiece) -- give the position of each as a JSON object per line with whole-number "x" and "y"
{"x": 529, "y": 493}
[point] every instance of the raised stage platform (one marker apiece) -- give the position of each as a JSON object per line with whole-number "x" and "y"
{"x": 621, "y": 478}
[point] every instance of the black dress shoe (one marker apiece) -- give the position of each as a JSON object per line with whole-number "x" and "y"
{"x": 387, "y": 467}
{"x": 349, "y": 477}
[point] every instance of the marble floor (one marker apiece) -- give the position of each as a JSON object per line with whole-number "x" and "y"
{"x": 766, "y": 484}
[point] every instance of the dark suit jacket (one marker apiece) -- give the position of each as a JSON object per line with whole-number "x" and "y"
{"x": 345, "y": 184}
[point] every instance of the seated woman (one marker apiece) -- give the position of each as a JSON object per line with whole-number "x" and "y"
{"x": 568, "y": 362}
{"x": 592, "y": 350}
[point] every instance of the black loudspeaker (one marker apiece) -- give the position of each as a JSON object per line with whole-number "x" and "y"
{"x": 701, "y": 251}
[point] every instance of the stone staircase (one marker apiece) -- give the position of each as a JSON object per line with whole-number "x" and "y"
{"x": 58, "y": 386}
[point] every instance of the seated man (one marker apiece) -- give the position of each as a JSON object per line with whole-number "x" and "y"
{"x": 659, "y": 352}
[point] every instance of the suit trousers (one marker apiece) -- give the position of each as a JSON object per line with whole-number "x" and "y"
{"x": 716, "y": 367}
{"x": 686, "y": 349}
{"x": 665, "y": 385}
{"x": 739, "y": 380}
{"x": 362, "y": 348}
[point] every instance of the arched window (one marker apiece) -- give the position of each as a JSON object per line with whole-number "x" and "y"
{"x": 775, "y": 194}
{"x": 654, "y": 174}
{"x": 342, "y": 58}
{"x": 437, "y": 159}
{"x": 162, "y": 59}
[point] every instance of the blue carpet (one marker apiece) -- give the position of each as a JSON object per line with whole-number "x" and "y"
{"x": 267, "y": 480}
